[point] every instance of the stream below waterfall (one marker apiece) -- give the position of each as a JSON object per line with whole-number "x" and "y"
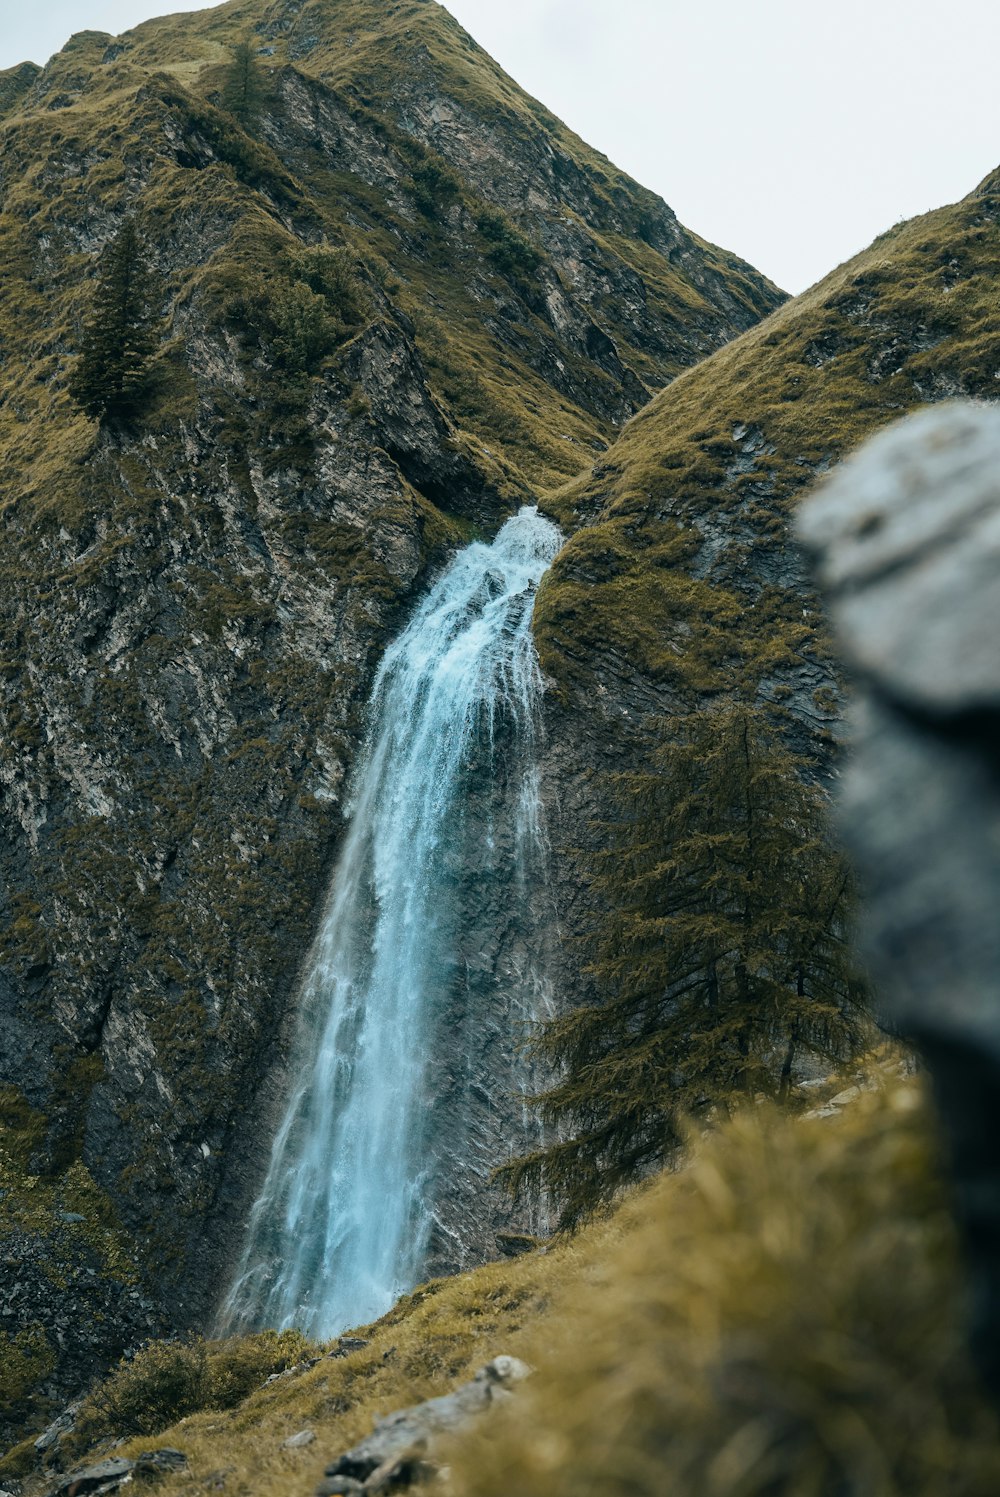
{"x": 424, "y": 976}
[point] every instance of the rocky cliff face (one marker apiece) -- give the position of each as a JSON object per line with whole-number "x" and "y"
{"x": 681, "y": 576}
{"x": 192, "y": 605}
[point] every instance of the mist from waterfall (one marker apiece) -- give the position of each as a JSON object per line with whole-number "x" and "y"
{"x": 342, "y": 1224}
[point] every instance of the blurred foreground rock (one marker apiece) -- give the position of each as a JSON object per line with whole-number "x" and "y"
{"x": 907, "y": 542}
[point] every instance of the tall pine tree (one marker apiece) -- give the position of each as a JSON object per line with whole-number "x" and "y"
{"x": 721, "y": 958}
{"x": 121, "y": 332}
{"x": 244, "y": 92}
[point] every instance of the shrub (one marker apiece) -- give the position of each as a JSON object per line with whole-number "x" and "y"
{"x": 509, "y": 251}
{"x": 161, "y": 1384}
{"x": 167, "y": 1380}
{"x": 300, "y": 312}
{"x": 435, "y": 188}
{"x": 240, "y": 1365}
{"x": 331, "y": 274}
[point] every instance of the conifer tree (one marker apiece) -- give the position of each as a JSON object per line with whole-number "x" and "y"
{"x": 244, "y": 92}
{"x": 720, "y": 960}
{"x": 121, "y": 332}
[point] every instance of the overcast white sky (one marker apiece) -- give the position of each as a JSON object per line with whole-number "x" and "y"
{"x": 790, "y": 131}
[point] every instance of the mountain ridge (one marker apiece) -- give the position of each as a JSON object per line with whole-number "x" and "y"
{"x": 709, "y": 472}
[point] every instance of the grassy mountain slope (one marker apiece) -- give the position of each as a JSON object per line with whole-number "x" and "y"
{"x": 682, "y": 573}
{"x": 649, "y": 284}
{"x": 548, "y": 291}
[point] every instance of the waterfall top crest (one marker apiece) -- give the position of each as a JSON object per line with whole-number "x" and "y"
{"x": 472, "y": 596}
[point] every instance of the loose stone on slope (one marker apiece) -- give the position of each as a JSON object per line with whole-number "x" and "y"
{"x": 105, "y": 1476}
{"x": 296, "y": 1442}
{"x": 159, "y": 1462}
{"x": 395, "y": 1455}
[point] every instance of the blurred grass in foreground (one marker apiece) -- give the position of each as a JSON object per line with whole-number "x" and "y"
{"x": 786, "y": 1320}
{"x": 780, "y": 1318}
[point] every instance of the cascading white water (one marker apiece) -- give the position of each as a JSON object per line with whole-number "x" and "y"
{"x": 341, "y": 1226}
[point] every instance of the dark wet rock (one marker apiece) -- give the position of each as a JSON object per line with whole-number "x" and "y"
{"x": 108, "y": 1475}
{"x": 59, "y": 1286}
{"x": 513, "y": 1244}
{"x": 296, "y": 1371}
{"x": 64, "y": 1425}
{"x": 346, "y": 1344}
{"x": 907, "y": 541}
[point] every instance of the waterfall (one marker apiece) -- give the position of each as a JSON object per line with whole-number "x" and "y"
{"x": 342, "y": 1225}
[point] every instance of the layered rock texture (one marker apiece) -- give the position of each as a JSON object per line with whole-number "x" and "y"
{"x": 397, "y": 301}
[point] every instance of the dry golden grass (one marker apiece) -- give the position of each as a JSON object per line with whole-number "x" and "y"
{"x": 433, "y": 1339}
{"x": 787, "y": 1320}
{"x": 781, "y": 1316}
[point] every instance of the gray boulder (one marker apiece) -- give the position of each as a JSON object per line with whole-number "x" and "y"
{"x": 906, "y": 539}
{"x": 104, "y": 1476}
